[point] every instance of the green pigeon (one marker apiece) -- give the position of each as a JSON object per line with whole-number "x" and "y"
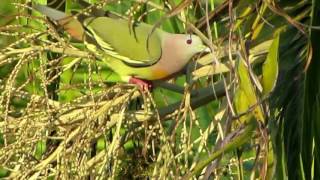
{"x": 138, "y": 54}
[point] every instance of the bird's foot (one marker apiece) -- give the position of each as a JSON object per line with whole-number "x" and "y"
{"x": 144, "y": 85}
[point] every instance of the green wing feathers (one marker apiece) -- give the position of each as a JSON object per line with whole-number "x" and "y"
{"x": 128, "y": 44}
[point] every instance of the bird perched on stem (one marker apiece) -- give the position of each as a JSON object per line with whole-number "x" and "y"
{"x": 138, "y": 54}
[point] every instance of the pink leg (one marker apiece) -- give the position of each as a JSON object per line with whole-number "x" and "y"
{"x": 143, "y": 84}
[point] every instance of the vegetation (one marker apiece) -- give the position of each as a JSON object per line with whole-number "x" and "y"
{"x": 250, "y": 109}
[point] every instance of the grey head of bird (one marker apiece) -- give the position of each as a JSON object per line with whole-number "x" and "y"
{"x": 184, "y": 46}
{"x": 180, "y": 48}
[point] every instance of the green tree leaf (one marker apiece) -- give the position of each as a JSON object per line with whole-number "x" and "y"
{"x": 270, "y": 67}
{"x": 246, "y": 97}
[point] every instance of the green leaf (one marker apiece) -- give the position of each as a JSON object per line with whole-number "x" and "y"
{"x": 41, "y": 148}
{"x": 247, "y": 94}
{"x": 101, "y": 144}
{"x": 241, "y": 105}
{"x": 270, "y": 67}
{"x": 3, "y": 172}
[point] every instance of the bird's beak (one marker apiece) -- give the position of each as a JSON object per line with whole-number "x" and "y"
{"x": 207, "y": 49}
{"x": 204, "y": 48}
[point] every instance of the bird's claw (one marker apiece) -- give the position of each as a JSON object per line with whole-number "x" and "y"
{"x": 144, "y": 85}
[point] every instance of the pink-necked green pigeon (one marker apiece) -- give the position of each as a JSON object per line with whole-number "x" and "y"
{"x": 136, "y": 54}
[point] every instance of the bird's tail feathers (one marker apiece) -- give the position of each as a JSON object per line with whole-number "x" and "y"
{"x": 68, "y": 23}
{"x": 50, "y": 12}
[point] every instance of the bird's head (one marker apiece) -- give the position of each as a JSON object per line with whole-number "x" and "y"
{"x": 186, "y": 45}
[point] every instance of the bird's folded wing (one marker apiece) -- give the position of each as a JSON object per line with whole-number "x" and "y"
{"x": 134, "y": 46}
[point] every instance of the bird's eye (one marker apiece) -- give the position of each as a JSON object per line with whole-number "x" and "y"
{"x": 189, "y": 41}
